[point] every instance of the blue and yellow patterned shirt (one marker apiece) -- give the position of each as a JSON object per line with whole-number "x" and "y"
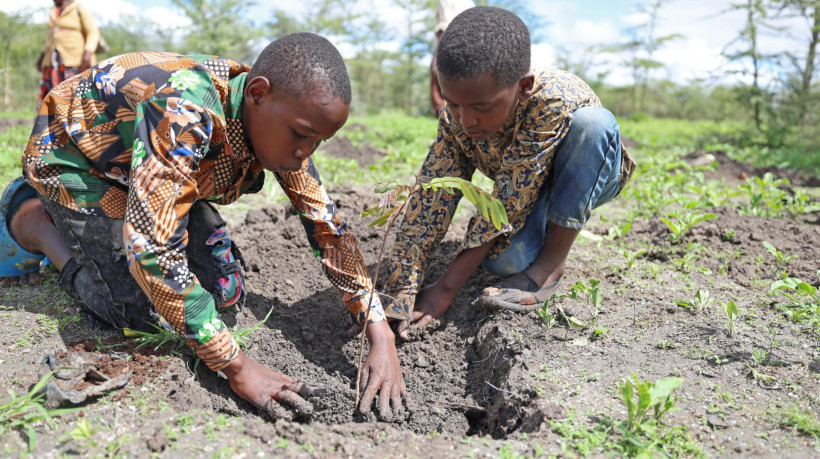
{"x": 519, "y": 160}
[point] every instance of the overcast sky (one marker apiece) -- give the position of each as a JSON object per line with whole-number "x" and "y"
{"x": 706, "y": 27}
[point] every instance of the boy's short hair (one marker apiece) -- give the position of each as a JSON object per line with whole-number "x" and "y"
{"x": 485, "y": 39}
{"x": 300, "y": 63}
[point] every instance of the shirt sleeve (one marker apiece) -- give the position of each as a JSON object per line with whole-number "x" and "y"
{"x": 171, "y": 137}
{"x": 425, "y": 223}
{"x": 332, "y": 242}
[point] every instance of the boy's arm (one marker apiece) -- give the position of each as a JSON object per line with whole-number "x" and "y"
{"x": 171, "y": 136}
{"x": 425, "y": 222}
{"x": 343, "y": 264}
{"x": 331, "y": 241}
{"x": 436, "y": 298}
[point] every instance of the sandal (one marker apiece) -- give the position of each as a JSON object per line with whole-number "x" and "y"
{"x": 15, "y": 261}
{"x": 518, "y": 293}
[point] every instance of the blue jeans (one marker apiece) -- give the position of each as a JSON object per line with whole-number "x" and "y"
{"x": 586, "y": 172}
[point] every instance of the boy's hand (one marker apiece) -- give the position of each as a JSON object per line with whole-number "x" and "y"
{"x": 382, "y": 374}
{"x": 431, "y": 302}
{"x": 266, "y": 388}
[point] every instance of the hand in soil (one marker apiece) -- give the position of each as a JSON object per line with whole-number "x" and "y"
{"x": 382, "y": 374}
{"x": 431, "y": 303}
{"x": 266, "y": 388}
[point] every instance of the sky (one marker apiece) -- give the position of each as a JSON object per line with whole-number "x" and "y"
{"x": 705, "y": 27}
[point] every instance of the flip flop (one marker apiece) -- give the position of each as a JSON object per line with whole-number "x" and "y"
{"x": 15, "y": 261}
{"x": 526, "y": 298}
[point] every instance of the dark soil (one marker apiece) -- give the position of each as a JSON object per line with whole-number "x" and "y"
{"x": 483, "y": 383}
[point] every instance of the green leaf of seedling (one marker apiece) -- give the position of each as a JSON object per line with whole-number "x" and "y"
{"x": 576, "y": 322}
{"x": 672, "y": 226}
{"x": 771, "y": 249}
{"x": 663, "y": 388}
{"x": 385, "y": 187}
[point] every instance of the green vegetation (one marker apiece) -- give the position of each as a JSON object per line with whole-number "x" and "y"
{"x": 24, "y": 411}
{"x": 643, "y": 434}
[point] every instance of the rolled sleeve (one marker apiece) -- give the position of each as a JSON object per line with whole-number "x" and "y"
{"x": 332, "y": 242}
{"x": 426, "y": 220}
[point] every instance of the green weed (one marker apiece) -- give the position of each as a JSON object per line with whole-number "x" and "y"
{"x": 684, "y": 222}
{"x": 803, "y": 300}
{"x": 25, "y": 410}
{"x": 698, "y": 303}
{"x": 780, "y": 259}
{"x": 730, "y": 308}
{"x": 802, "y": 420}
{"x": 242, "y": 335}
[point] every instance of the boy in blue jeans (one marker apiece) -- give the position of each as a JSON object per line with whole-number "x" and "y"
{"x": 554, "y": 153}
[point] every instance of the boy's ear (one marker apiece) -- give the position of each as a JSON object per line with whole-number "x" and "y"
{"x": 525, "y": 85}
{"x": 256, "y": 90}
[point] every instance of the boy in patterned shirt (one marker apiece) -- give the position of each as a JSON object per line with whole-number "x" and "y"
{"x": 120, "y": 172}
{"x": 541, "y": 135}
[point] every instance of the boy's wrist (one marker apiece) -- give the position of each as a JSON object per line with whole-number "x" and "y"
{"x": 235, "y": 367}
{"x": 378, "y": 332}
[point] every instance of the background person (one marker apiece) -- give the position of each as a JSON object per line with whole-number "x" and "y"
{"x": 73, "y": 37}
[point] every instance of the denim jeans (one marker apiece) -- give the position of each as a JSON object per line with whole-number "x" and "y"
{"x": 586, "y": 172}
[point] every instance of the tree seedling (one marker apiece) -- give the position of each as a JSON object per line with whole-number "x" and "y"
{"x": 389, "y": 208}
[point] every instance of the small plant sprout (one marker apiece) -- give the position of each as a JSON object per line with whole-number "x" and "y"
{"x": 730, "y": 308}
{"x": 390, "y": 207}
{"x": 780, "y": 259}
{"x": 766, "y": 199}
{"x": 590, "y": 296}
{"x": 631, "y": 256}
{"x": 646, "y": 404}
{"x": 684, "y": 222}
{"x": 544, "y": 314}
{"x": 698, "y": 303}
{"x": 760, "y": 356}
{"x": 25, "y": 410}
{"x": 728, "y": 235}
{"x": 242, "y": 335}
{"x": 803, "y": 300}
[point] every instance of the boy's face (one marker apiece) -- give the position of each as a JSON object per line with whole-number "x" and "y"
{"x": 479, "y": 106}
{"x": 284, "y": 132}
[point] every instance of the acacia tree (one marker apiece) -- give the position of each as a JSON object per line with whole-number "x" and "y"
{"x": 640, "y": 50}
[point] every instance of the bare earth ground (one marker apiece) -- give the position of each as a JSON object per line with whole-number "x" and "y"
{"x": 484, "y": 383}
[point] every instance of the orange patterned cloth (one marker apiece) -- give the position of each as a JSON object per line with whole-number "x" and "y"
{"x": 141, "y": 137}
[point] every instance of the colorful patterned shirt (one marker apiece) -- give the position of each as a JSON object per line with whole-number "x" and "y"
{"x": 141, "y": 137}
{"x": 518, "y": 159}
